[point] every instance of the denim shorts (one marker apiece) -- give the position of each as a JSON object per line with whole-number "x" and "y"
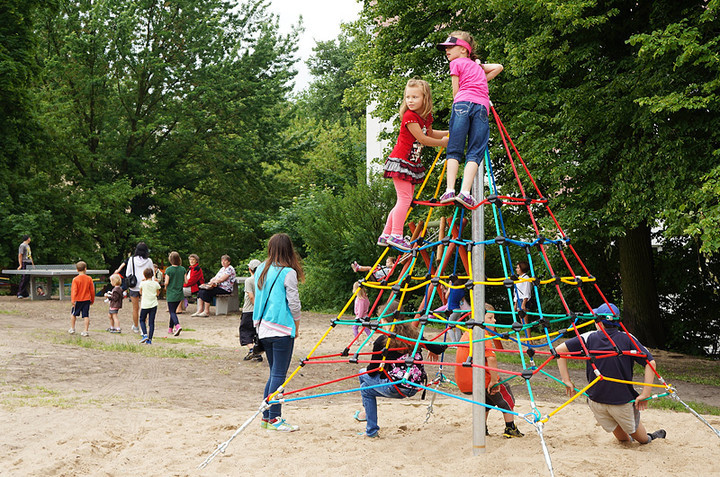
{"x": 468, "y": 123}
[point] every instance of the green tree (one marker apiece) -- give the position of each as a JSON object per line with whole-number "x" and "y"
{"x": 581, "y": 99}
{"x": 162, "y": 119}
{"x": 330, "y": 67}
{"x": 18, "y": 128}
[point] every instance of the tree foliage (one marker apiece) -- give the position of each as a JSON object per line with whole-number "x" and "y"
{"x": 160, "y": 122}
{"x": 586, "y": 101}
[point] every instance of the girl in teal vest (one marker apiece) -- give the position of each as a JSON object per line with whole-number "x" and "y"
{"x": 276, "y": 315}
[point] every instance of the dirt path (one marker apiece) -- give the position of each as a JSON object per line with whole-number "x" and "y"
{"x": 73, "y": 406}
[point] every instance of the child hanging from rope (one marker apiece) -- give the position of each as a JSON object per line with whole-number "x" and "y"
{"x": 404, "y": 166}
{"x": 469, "y": 118}
{"x": 378, "y": 383}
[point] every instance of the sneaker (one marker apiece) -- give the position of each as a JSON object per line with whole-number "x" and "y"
{"x": 263, "y": 423}
{"x": 177, "y": 331}
{"x": 279, "y": 424}
{"x": 116, "y": 330}
{"x": 148, "y": 342}
{"x": 447, "y": 197}
{"x": 400, "y": 243}
{"x": 110, "y": 330}
{"x": 659, "y": 434}
{"x": 71, "y": 331}
{"x": 466, "y": 200}
{"x": 249, "y": 356}
{"x": 84, "y": 333}
{"x": 135, "y": 329}
{"x": 355, "y": 265}
{"x": 144, "y": 339}
{"x": 170, "y": 331}
{"x": 382, "y": 240}
{"x": 511, "y": 432}
{"x": 257, "y": 358}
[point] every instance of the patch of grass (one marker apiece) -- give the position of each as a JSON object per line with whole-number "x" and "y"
{"x": 691, "y": 375}
{"x": 145, "y": 350}
{"x": 173, "y": 340}
{"x": 673, "y": 405}
{"x": 7, "y": 312}
{"x": 34, "y": 396}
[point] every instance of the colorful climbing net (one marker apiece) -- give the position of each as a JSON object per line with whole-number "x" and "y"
{"x": 444, "y": 258}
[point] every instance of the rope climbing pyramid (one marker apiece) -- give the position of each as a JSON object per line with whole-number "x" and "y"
{"x": 453, "y": 257}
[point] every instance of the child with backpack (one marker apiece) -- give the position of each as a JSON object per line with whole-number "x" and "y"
{"x": 375, "y": 382}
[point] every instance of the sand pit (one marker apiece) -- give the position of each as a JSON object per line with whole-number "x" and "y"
{"x": 67, "y": 410}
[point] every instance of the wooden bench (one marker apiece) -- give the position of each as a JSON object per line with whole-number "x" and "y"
{"x": 43, "y": 275}
{"x": 225, "y": 304}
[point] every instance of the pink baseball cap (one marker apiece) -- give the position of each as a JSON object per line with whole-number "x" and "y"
{"x": 453, "y": 41}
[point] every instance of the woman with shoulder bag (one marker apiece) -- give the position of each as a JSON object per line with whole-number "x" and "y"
{"x": 276, "y": 316}
{"x": 135, "y": 266}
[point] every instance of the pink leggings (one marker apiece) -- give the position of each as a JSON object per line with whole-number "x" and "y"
{"x": 396, "y": 219}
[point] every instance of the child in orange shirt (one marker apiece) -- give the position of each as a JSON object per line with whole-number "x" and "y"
{"x": 82, "y": 295}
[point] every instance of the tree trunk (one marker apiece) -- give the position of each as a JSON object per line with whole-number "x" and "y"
{"x": 640, "y": 310}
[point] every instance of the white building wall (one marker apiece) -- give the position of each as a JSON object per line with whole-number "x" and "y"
{"x": 375, "y": 147}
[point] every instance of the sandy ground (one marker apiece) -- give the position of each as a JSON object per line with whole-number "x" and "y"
{"x": 68, "y": 409}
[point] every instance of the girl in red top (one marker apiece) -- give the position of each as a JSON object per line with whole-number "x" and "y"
{"x": 404, "y": 166}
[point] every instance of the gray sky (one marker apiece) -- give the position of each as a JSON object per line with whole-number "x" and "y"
{"x": 321, "y": 18}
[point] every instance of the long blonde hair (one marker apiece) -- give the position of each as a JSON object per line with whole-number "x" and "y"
{"x": 427, "y": 103}
{"x": 463, "y": 35}
{"x": 362, "y": 293}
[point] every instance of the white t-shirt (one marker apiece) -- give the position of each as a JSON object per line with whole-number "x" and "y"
{"x": 149, "y": 297}
{"x": 524, "y": 289}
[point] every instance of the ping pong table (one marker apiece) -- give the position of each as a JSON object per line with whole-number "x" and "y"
{"x": 41, "y": 279}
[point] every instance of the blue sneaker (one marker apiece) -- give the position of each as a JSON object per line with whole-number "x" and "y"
{"x": 144, "y": 339}
{"x": 371, "y": 436}
{"x": 447, "y": 197}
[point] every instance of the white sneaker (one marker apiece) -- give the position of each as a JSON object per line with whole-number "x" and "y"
{"x": 84, "y": 333}
{"x": 135, "y": 329}
{"x": 71, "y": 331}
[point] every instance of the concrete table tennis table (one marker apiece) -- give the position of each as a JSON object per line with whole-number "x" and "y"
{"x": 44, "y": 274}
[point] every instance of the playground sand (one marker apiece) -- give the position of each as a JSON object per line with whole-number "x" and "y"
{"x": 70, "y": 410}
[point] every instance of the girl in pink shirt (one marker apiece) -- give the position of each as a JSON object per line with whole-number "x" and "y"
{"x": 469, "y": 118}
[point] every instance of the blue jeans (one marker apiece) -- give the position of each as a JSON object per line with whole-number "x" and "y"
{"x": 278, "y": 352}
{"x": 172, "y": 309}
{"x": 369, "y": 396}
{"x": 468, "y": 121}
{"x": 150, "y": 314}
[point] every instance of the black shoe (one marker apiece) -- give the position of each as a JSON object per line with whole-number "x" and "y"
{"x": 659, "y": 434}
{"x": 511, "y": 432}
{"x": 249, "y": 356}
{"x": 257, "y": 358}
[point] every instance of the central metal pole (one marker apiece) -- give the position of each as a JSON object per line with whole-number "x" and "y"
{"x": 478, "y": 347}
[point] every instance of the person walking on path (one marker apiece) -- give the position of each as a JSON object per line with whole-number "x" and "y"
{"x": 25, "y": 259}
